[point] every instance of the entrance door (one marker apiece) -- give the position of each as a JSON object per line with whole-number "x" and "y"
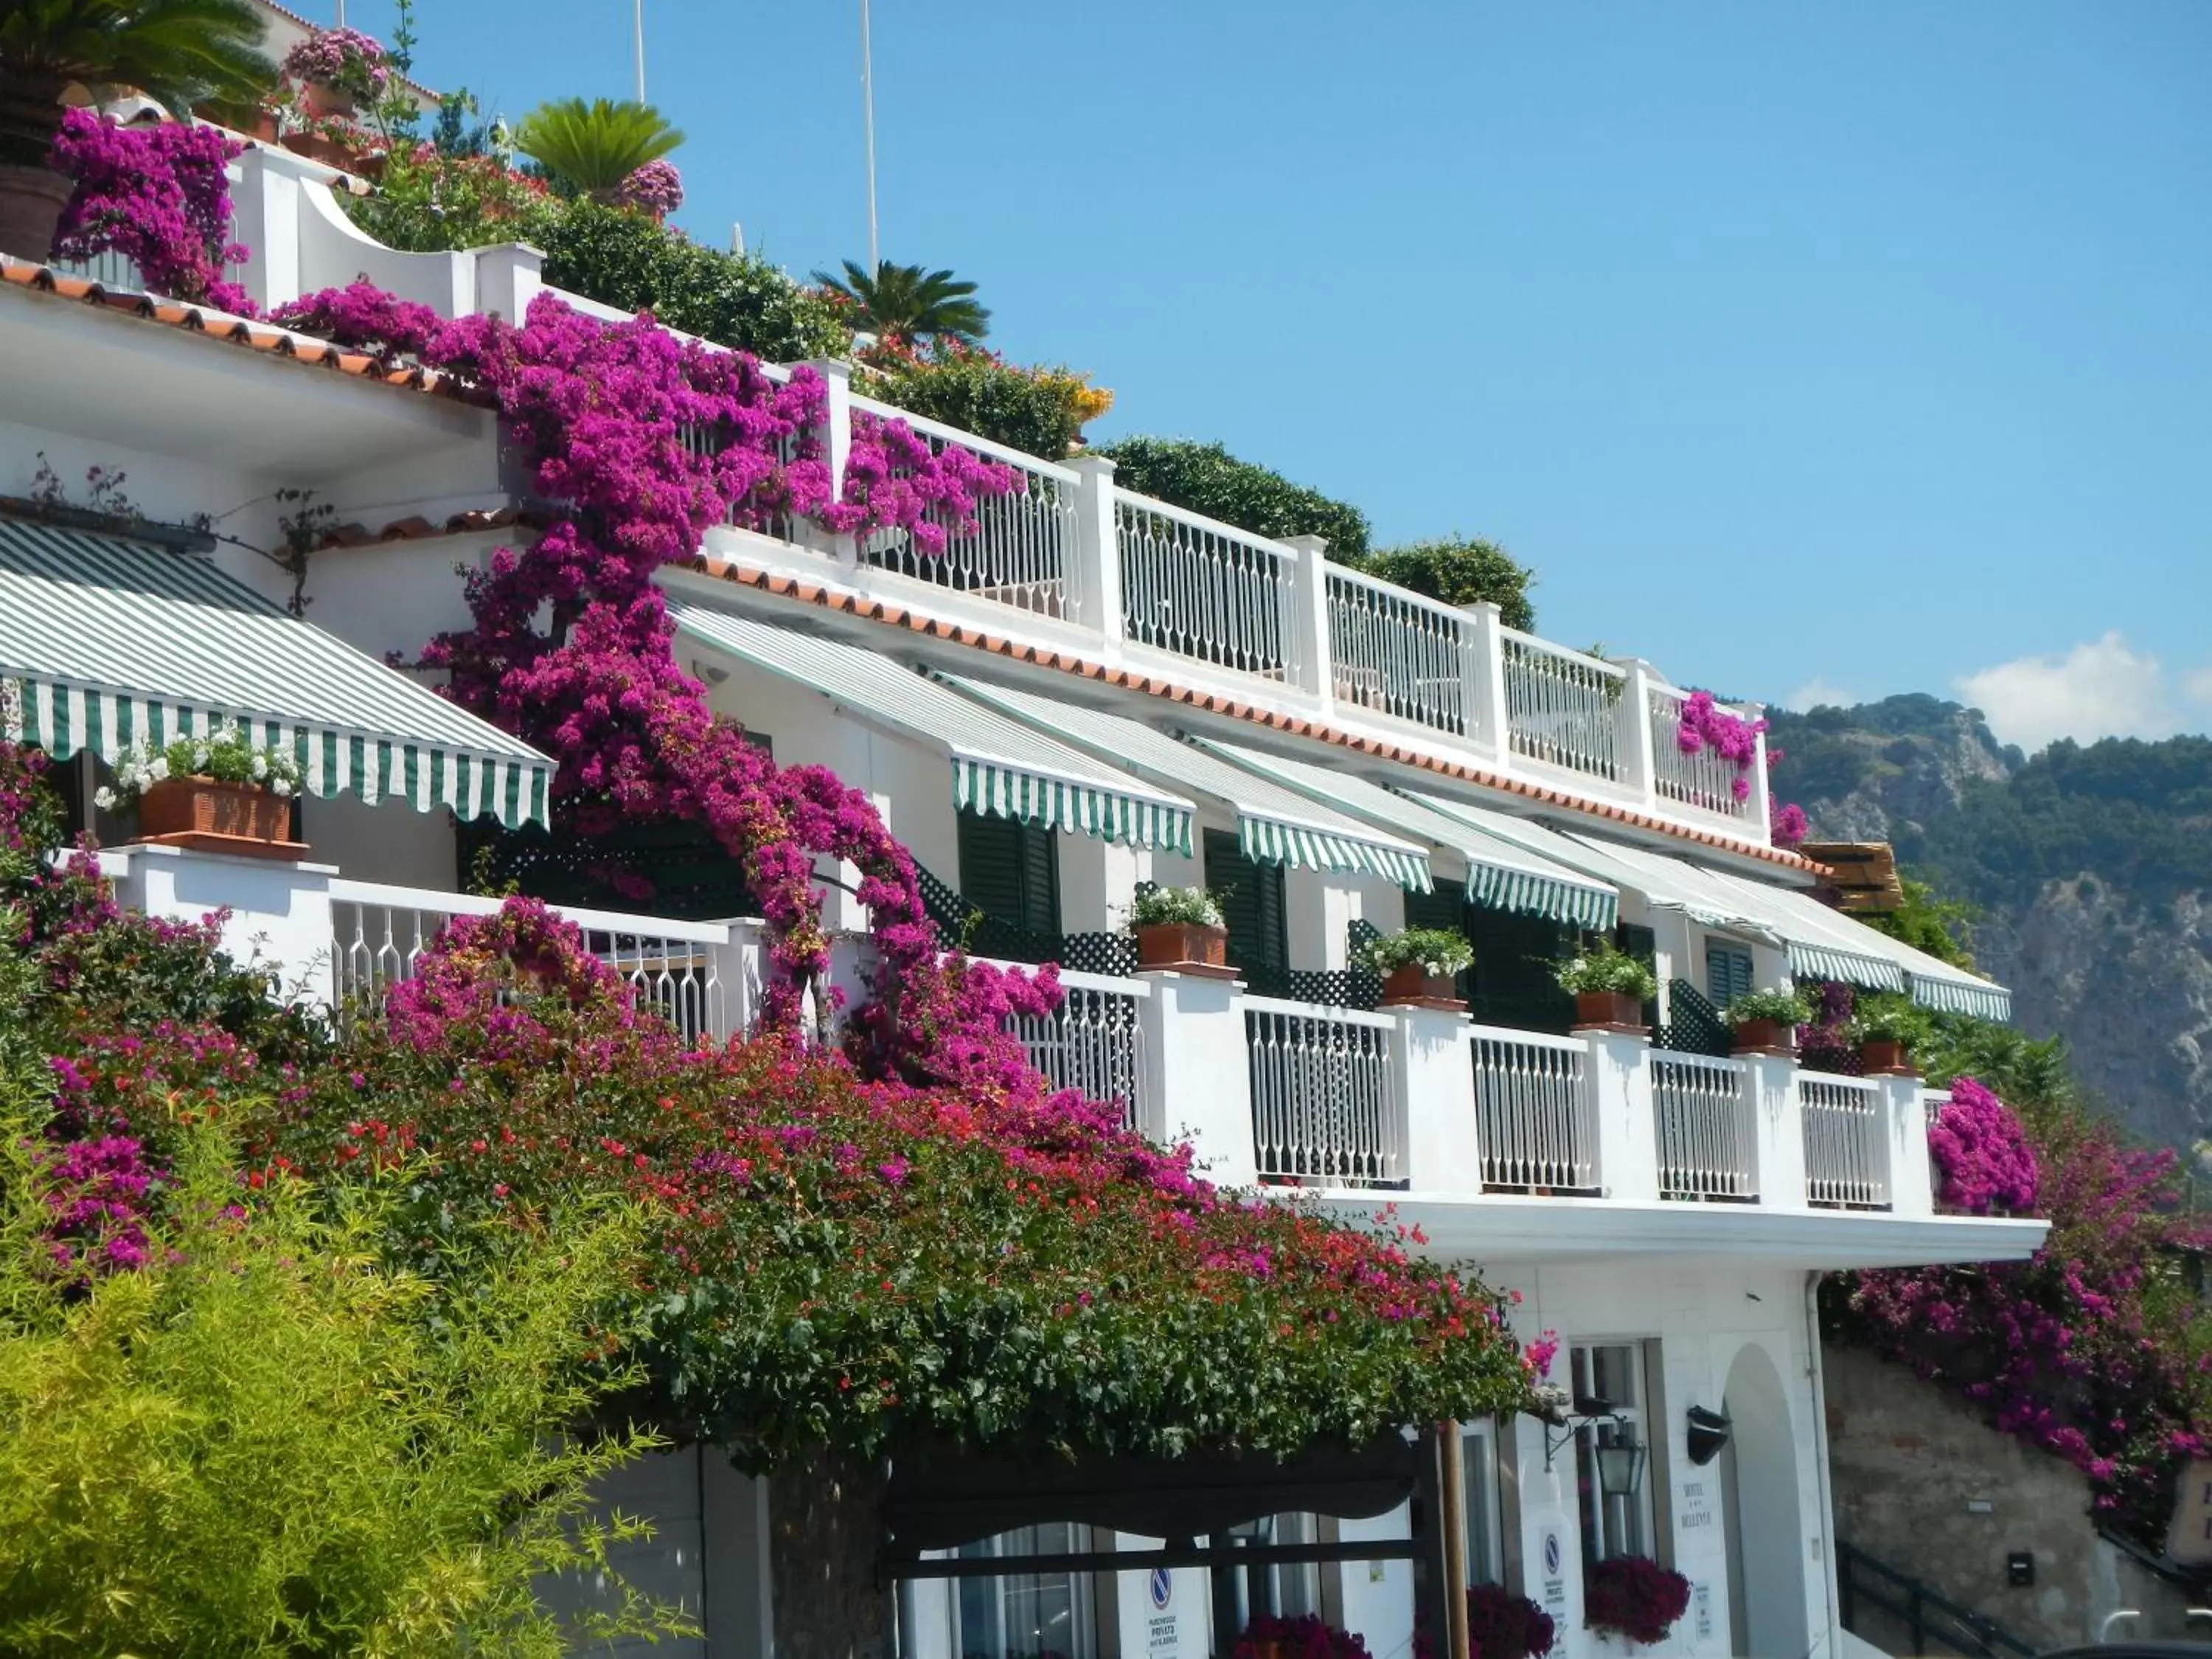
{"x": 1766, "y": 1541}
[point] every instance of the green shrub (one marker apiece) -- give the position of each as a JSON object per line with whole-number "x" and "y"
{"x": 1038, "y": 410}
{"x": 1889, "y": 1018}
{"x": 625, "y": 259}
{"x": 1608, "y": 969}
{"x": 1430, "y": 948}
{"x": 429, "y": 202}
{"x": 1175, "y": 907}
{"x": 1783, "y": 1007}
{"x": 1206, "y": 478}
{"x": 1459, "y": 570}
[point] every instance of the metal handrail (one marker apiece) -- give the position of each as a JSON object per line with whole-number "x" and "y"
{"x": 1926, "y": 1612}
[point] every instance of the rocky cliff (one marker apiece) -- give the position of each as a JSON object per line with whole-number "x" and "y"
{"x": 2090, "y": 871}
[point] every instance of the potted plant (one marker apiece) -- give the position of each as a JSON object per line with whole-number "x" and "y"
{"x": 1420, "y": 967}
{"x": 1634, "y": 1597}
{"x": 178, "y": 52}
{"x": 1885, "y": 1027}
{"x": 220, "y": 794}
{"x": 1503, "y": 1625}
{"x": 338, "y": 71}
{"x": 1179, "y": 927}
{"x": 1609, "y": 986}
{"x": 1766, "y": 1022}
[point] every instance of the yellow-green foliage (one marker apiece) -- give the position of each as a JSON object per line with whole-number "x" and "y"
{"x": 270, "y": 1442}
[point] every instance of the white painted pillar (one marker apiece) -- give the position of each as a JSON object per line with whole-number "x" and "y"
{"x": 1621, "y": 1099}
{"x": 837, "y": 441}
{"x": 1307, "y": 625}
{"x": 1433, "y": 1090}
{"x": 1639, "y": 761}
{"x": 509, "y": 276}
{"x": 1911, "y": 1182}
{"x": 1780, "y": 1168}
{"x": 280, "y": 911}
{"x": 1482, "y": 672}
{"x": 266, "y": 217}
{"x": 1093, "y": 575}
{"x": 1197, "y": 1072}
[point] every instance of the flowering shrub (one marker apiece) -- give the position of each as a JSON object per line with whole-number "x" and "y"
{"x": 1787, "y": 825}
{"x": 1039, "y": 410}
{"x": 342, "y": 58}
{"x": 1634, "y": 1597}
{"x": 1982, "y": 1155}
{"x": 1303, "y": 1637}
{"x": 656, "y": 188}
{"x": 1705, "y": 725}
{"x": 428, "y": 201}
{"x": 1174, "y": 906}
{"x": 1608, "y": 969}
{"x": 1503, "y": 1625}
{"x": 156, "y": 196}
{"x": 1434, "y": 951}
{"x": 226, "y": 755}
{"x": 1775, "y": 1007}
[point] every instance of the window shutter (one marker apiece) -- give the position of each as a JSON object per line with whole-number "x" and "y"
{"x": 1252, "y": 906}
{"x": 1514, "y": 956}
{"x": 1728, "y": 974}
{"x": 1009, "y": 871}
{"x": 1040, "y": 866}
{"x": 1632, "y": 939}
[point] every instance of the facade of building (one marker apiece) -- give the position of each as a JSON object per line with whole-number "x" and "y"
{"x": 1093, "y": 692}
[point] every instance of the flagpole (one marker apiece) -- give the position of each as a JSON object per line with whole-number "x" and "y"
{"x": 637, "y": 40}
{"x": 868, "y": 124}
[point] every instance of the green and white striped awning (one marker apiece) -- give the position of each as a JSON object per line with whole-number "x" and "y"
{"x": 1274, "y": 825}
{"x": 999, "y": 767}
{"x": 1500, "y": 876}
{"x": 106, "y": 643}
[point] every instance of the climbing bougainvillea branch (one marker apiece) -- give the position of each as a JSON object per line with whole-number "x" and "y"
{"x": 156, "y": 194}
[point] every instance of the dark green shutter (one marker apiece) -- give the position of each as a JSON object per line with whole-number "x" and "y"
{"x": 1010, "y": 871}
{"x": 1516, "y": 958}
{"x": 1252, "y": 906}
{"x": 1728, "y": 974}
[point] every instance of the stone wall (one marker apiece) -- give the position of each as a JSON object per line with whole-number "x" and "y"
{"x": 825, "y": 1528}
{"x": 1925, "y": 1486}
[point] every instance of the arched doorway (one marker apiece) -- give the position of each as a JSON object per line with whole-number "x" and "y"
{"x": 1766, "y": 1528}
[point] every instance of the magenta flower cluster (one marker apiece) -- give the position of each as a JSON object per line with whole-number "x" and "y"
{"x": 97, "y": 1194}
{"x": 1982, "y": 1154}
{"x": 1787, "y": 825}
{"x": 1705, "y": 725}
{"x": 156, "y": 194}
{"x": 656, "y": 188}
{"x": 342, "y": 58}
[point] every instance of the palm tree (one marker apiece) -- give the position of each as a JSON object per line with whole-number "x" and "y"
{"x": 911, "y": 302}
{"x": 592, "y": 148}
{"x": 180, "y": 52}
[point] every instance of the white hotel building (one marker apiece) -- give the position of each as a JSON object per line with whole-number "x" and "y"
{"x": 1095, "y": 691}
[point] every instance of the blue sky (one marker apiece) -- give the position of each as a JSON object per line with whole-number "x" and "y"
{"x": 1858, "y": 347}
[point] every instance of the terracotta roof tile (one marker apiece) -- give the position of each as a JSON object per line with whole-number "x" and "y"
{"x": 415, "y": 527}
{"x": 814, "y": 593}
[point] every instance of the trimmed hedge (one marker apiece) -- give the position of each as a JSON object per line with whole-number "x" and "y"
{"x": 1459, "y": 570}
{"x": 1206, "y": 478}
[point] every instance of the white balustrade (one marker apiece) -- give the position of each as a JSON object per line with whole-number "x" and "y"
{"x": 1094, "y": 1043}
{"x": 1322, "y": 1111}
{"x": 1018, "y": 555}
{"x": 1535, "y": 1122}
{"x": 1706, "y": 1136}
{"x": 1846, "y": 1151}
{"x": 1205, "y": 590}
{"x": 1703, "y": 779}
{"x": 1563, "y": 708}
{"x": 1397, "y": 652}
{"x": 378, "y": 935}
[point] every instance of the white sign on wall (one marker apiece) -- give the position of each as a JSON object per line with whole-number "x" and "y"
{"x": 1694, "y": 1514}
{"x": 1552, "y": 1559}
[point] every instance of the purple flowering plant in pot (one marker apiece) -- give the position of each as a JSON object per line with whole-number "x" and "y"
{"x": 1634, "y": 1597}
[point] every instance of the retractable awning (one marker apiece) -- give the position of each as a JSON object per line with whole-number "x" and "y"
{"x": 1274, "y": 825}
{"x": 106, "y": 643}
{"x": 1500, "y": 876}
{"x": 1000, "y": 768}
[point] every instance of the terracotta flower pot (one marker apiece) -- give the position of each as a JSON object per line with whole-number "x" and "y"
{"x": 1608, "y": 1008}
{"x": 1182, "y": 944}
{"x": 1765, "y": 1037}
{"x": 316, "y": 148}
{"x": 31, "y": 202}
{"x": 231, "y": 818}
{"x": 1881, "y": 1059}
{"x": 327, "y": 101}
{"x": 1415, "y": 987}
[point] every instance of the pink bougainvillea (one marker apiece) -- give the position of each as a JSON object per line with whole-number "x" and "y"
{"x": 1986, "y": 1163}
{"x": 1788, "y": 826}
{"x": 1704, "y": 725}
{"x": 341, "y": 58}
{"x": 156, "y": 194}
{"x": 656, "y": 188}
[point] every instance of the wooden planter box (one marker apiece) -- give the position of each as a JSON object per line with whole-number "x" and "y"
{"x": 1616, "y": 1011}
{"x": 1184, "y": 947}
{"x": 1766, "y": 1037}
{"x": 1414, "y": 986}
{"x": 218, "y": 818}
{"x": 1879, "y": 1058}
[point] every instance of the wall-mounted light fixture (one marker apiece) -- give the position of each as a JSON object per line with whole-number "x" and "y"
{"x": 1620, "y": 1464}
{"x": 1709, "y": 1432}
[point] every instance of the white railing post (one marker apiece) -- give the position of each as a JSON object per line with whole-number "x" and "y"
{"x": 1905, "y": 1117}
{"x": 266, "y": 217}
{"x": 1760, "y": 800}
{"x": 1432, "y": 1090}
{"x": 1620, "y": 1104}
{"x": 1640, "y": 764}
{"x": 1305, "y": 625}
{"x": 1198, "y": 1079}
{"x": 837, "y": 441}
{"x": 509, "y": 276}
{"x": 1776, "y": 1116}
{"x": 1482, "y": 668}
{"x": 1094, "y": 578}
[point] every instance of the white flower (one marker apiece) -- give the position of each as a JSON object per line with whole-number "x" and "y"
{"x": 260, "y": 766}
{"x": 103, "y": 798}
{"x": 158, "y": 769}
{"x": 280, "y": 788}
{"x": 200, "y": 755}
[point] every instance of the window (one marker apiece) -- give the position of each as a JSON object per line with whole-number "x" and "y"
{"x": 1516, "y": 959}
{"x": 1020, "y": 1615}
{"x": 1285, "y": 1590}
{"x": 1613, "y": 1372}
{"x": 1728, "y": 973}
{"x": 1252, "y": 905}
{"x": 1486, "y": 1529}
{"x": 1010, "y": 871}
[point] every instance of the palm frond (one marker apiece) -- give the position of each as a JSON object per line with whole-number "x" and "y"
{"x": 910, "y": 301}
{"x": 594, "y": 146}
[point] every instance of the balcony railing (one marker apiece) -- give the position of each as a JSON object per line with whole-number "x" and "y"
{"x": 1535, "y": 1125}
{"x": 1703, "y": 779}
{"x": 1846, "y": 1153}
{"x": 1323, "y": 1109}
{"x": 1708, "y": 1143}
{"x": 1094, "y": 1044}
{"x": 1204, "y": 590}
{"x": 1563, "y": 709}
{"x": 1398, "y": 652}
